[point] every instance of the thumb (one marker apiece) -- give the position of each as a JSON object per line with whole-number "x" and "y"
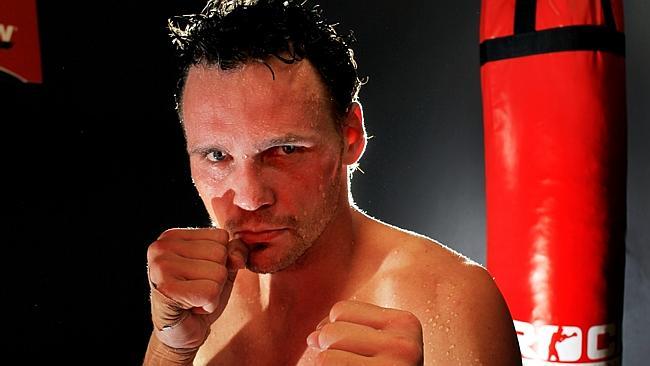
{"x": 237, "y": 258}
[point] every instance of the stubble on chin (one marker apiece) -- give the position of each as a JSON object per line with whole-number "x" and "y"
{"x": 305, "y": 236}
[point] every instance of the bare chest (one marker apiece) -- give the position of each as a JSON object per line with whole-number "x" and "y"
{"x": 250, "y": 334}
{"x": 256, "y": 343}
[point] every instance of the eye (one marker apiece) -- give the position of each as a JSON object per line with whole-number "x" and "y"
{"x": 215, "y": 156}
{"x": 289, "y": 149}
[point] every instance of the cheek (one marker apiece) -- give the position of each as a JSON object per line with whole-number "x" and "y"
{"x": 207, "y": 182}
{"x": 311, "y": 182}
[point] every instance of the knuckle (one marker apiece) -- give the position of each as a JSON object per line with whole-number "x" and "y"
{"x": 408, "y": 347}
{"x": 220, "y": 235}
{"x": 159, "y": 248}
{"x": 338, "y": 309}
{"x": 155, "y": 277}
{"x": 220, "y": 274}
{"x": 160, "y": 271}
{"x": 159, "y": 263}
{"x": 328, "y": 331}
{"x": 154, "y": 263}
{"x": 410, "y": 321}
{"x": 220, "y": 252}
{"x": 154, "y": 251}
{"x": 165, "y": 287}
{"x": 169, "y": 233}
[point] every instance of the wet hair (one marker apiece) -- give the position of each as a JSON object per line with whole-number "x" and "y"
{"x": 231, "y": 33}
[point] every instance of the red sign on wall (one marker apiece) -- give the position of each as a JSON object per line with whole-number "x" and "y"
{"x": 20, "y": 54}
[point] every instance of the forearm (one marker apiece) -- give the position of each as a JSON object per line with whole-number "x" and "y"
{"x": 160, "y": 354}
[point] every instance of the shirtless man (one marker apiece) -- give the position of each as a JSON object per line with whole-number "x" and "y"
{"x": 292, "y": 273}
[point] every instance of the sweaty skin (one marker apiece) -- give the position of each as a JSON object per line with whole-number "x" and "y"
{"x": 324, "y": 283}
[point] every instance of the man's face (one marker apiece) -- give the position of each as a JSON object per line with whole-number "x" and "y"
{"x": 265, "y": 156}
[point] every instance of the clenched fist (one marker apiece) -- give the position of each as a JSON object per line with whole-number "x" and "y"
{"x": 191, "y": 274}
{"x": 357, "y": 333}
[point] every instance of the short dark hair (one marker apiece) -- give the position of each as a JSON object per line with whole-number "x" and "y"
{"x": 230, "y": 33}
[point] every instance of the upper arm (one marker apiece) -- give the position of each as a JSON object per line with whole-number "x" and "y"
{"x": 464, "y": 318}
{"x": 472, "y": 324}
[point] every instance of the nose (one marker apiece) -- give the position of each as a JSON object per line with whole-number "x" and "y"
{"x": 251, "y": 191}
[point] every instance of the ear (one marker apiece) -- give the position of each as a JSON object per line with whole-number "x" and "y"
{"x": 354, "y": 134}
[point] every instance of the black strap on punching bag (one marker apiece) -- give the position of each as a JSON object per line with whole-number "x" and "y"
{"x": 525, "y": 15}
{"x": 526, "y": 41}
{"x": 609, "y": 14}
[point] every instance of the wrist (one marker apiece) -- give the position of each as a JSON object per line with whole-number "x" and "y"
{"x": 158, "y": 353}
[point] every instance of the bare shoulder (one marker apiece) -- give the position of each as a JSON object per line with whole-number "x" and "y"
{"x": 463, "y": 314}
{"x": 415, "y": 256}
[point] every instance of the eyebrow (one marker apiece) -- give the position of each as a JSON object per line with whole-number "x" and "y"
{"x": 285, "y": 140}
{"x": 204, "y": 149}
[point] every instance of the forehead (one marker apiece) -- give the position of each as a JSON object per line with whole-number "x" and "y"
{"x": 255, "y": 92}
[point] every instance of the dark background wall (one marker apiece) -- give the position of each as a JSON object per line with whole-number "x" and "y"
{"x": 99, "y": 168}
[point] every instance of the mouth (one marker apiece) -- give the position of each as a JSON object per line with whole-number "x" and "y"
{"x": 258, "y": 238}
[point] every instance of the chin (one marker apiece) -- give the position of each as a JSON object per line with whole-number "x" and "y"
{"x": 259, "y": 261}
{"x": 265, "y": 258}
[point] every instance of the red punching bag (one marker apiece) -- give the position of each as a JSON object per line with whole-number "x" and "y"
{"x": 20, "y": 55}
{"x": 553, "y": 84}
